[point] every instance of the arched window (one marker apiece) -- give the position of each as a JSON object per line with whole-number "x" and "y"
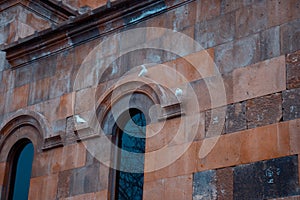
{"x": 20, "y": 161}
{"x": 129, "y": 139}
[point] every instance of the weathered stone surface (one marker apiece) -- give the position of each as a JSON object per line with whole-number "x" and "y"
{"x": 270, "y": 43}
{"x": 179, "y": 187}
{"x": 291, "y": 104}
{"x": 259, "y": 79}
{"x": 208, "y": 9}
{"x": 19, "y": 98}
{"x": 238, "y": 53}
{"x": 102, "y": 195}
{"x": 293, "y": 70}
{"x": 235, "y": 117}
{"x": 23, "y": 76}
{"x": 264, "y": 110}
{"x": 216, "y": 31}
{"x": 153, "y": 190}
{"x": 225, "y": 183}
{"x": 215, "y": 122}
{"x": 44, "y": 187}
{"x": 231, "y": 5}
{"x": 290, "y": 34}
{"x": 85, "y": 180}
{"x": 251, "y": 19}
{"x": 39, "y": 91}
{"x": 171, "y": 161}
{"x": 294, "y": 127}
{"x": 44, "y": 68}
{"x": 267, "y": 179}
{"x": 182, "y": 17}
{"x": 280, "y": 12}
{"x": 264, "y": 143}
{"x": 63, "y": 188}
{"x": 204, "y": 185}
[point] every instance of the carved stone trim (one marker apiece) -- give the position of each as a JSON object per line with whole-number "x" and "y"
{"x": 52, "y": 142}
{"x": 171, "y": 111}
{"x": 23, "y": 118}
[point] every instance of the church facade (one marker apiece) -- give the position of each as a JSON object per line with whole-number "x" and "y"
{"x": 155, "y": 99}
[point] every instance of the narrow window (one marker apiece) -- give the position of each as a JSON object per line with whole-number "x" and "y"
{"x": 129, "y": 160}
{"x": 21, "y": 158}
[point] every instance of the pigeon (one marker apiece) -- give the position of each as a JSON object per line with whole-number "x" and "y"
{"x": 178, "y": 92}
{"x": 143, "y": 72}
{"x": 79, "y": 119}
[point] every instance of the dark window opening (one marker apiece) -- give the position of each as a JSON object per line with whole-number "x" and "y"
{"x": 21, "y": 158}
{"x": 129, "y": 136}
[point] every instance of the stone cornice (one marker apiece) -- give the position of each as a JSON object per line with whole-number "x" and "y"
{"x": 52, "y": 10}
{"x": 83, "y": 28}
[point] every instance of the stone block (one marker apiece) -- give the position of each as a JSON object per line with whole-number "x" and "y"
{"x": 19, "y": 98}
{"x": 280, "y": 12}
{"x": 264, "y": 110}
{"x": 204, "y": 185}
{"x": 39, "y": 91}
{"x": 69, "y": 157}
{"x": 66, "y": 106}
{"x": 102, "y": 195}
{"x": 23, "y": 76}
{"x": 215, "y": 31}
{"x": 84, "y": 100}
{"x": 182, "y": 17}
{"x": 291, "y": 104}
{"x": 267, "y": 179}
{"x": 236, "y": 117}
{"x": 208, "y": 9}
{"x": 270, "y": 43}
{"x": 153, "y": 190}
{"x": 170, "y": 162}
{"x": 232, "y": 5}
{"x": 251, "y": 19}
{"x": 294, "y": 127}
{"x": 224, "y": 183}
{"x": 44, "y": 68}
{"x": 44, "y": 187}
{"x": 177, "y": 188}
{"x": 290, "y": 34}
{"x": 59, "y": 87}
{"x": 215, "y": 122}
{"x": 238, "y": 53}
{"x": 264, "y": 143}
{"x": 63, "y": 189}
{"x": 85, "y": 180}
{"x": 259, "y": 79}
{"x": 59, "y": 126}
{"x": 218, "y": 152}
{"x": 293, "y": 70}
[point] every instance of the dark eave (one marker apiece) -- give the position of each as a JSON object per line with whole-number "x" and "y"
{"x": 83, "y": 28}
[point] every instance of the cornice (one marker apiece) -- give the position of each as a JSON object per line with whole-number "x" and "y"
{"x": 52, "y": 10}
{"x": 83, "y": 28}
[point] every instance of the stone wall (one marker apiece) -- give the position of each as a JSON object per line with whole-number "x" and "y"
{"x": 256, "y": 50}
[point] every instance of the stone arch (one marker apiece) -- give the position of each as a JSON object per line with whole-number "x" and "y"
{"x": 135, "y": 94}
{"x": 24, "y": 124}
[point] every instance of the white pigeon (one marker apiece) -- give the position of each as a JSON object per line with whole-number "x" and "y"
{"x": 79, "y": 119}
{"x": 143, "y": 72}
{"x": 178, "y": 92}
